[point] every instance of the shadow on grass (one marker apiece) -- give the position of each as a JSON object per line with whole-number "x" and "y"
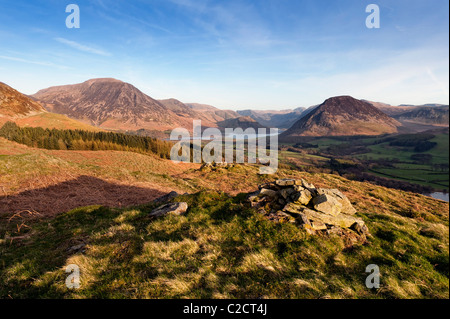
{"x": 79, "y": 192}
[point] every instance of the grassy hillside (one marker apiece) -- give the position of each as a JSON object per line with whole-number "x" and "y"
{"x": 221, "y": 248}
{"x": 57, "y": 121}
{"x": 49, "y": 120}
{"x": 50, "y": 181}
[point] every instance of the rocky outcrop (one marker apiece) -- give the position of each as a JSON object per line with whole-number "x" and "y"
{"x": 173, "y": 208}
{"x": 317, "y": 210}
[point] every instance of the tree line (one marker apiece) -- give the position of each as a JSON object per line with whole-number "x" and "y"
{"x": 54, "y": 139}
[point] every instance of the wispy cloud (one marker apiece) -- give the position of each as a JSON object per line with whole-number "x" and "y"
{"x": 43, "y": 63}
{"x": 82, "y": 47}
{"x": 443, "y": 87}
{"x": 233, "y": 23}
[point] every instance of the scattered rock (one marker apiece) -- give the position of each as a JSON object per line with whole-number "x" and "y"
{"x": 172, "y": 208}
{"x": 316, "y": 210}
{"x": 167, "y": 197}
{"x": 214, "y": 166}
{"x": 77, "y": 248}
{"x": 360, "y": 228}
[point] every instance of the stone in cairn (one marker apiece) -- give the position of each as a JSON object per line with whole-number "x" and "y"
{"x": 313, "y": 209}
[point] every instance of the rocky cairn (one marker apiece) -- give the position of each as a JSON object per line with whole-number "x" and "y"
{"x": 317, "y": 210}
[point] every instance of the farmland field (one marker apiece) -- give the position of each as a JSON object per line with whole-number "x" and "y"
{"x": 380, "y": 156}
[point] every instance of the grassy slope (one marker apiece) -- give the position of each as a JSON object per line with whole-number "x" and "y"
{"x": 221, "y": 248}
{"x": 20, "y": 165}
{"x": 51, "y": 120}
{"x": 57, "y": 121}
{"x": 25, "y": 169}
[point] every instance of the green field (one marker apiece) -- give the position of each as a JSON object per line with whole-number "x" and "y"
{"x": 402, "y": 168}
{"x": 409, "y": 171}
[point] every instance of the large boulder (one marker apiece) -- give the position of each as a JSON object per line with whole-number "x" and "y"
{"x": 347, "y": 207}
{"x": 327, "y": 204}
{"x": 341, "y": 220}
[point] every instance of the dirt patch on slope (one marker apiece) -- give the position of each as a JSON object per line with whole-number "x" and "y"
{"x": 79, "y": 192}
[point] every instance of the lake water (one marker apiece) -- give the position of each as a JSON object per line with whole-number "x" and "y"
{"x": 439, "y": 195}
{"x": 226, "y": 137}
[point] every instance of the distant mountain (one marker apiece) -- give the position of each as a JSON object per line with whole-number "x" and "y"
{"x": 429, "y": 105}
{"x": 15, "y": 104}
{"x": 24, "y": 111}
{"x": 429, "y": 114}
{"x": 390, "y": 110}
{"x": 177, "y": 107}
{"x": 280, "y": 119}
{"x": 209, "y": 115}
{"x": 341, "y": 116}
{"x": 435, "y": 115}
{"x": 212, "y": 113}
{"x": 243, "y": 122}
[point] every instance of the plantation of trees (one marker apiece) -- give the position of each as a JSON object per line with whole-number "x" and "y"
{"x": 54, "y": 139}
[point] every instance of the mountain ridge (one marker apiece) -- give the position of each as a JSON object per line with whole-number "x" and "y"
{"x": 112, "y": 104}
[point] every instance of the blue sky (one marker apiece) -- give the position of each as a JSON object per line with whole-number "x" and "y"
{"x": 234, "y": 54}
